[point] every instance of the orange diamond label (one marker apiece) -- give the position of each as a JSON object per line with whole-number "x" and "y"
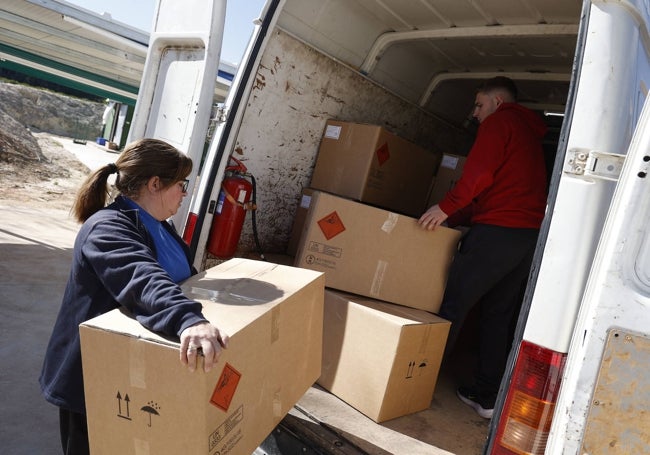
{"x": 331, "y": 225}
{"x": 382, "y": 153}
{"x": 226, "y": 387}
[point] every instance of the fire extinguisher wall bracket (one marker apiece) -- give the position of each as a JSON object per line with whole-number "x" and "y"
{"x": 246, "y": 205}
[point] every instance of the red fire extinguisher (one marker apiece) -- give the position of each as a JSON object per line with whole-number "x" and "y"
{"x": 234, "y": 201}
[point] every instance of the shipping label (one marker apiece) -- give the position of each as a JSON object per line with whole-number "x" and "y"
{"x": 333, "y": 132}
{"x": 449, "y": 161}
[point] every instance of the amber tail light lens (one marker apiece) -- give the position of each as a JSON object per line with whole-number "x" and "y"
{"x": 528, "y": 410}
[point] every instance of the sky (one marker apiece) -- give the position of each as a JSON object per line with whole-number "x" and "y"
{"x": 139, "y": 13}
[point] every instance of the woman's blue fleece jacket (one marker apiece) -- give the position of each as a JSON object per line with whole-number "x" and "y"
{"x": 114, "y": 264}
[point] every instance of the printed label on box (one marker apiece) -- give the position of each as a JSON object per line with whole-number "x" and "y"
{"x": 383, "y": 154}
{"x": 449, "y": 161}
{"x": 322, "y": 262}
{"x": 317, "y": 247}
{"x": 305, "y": 201}
{"x": 226, "y": 428}
{"x": 332, "y": 132}
{"x": 226, "y": 387}
{"x": 331, "y": 225}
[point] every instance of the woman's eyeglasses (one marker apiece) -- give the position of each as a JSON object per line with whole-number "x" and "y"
{"x": 185, "y": 185}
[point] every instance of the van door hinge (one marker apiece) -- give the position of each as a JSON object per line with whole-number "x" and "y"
{"x": 590, "y": 163}
{"x": 220, "y": 113}
{"x": 217, "y": 117}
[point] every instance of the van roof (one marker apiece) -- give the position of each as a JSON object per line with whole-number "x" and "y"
{"x": 435, "y": 53}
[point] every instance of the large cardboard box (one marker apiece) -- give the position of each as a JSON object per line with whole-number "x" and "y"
{"x": 380, "y": 358}
{"x": 449, "y": 172}
{"x": 376, "y": 253}
{"x": 140, "y": 399}
{"x": 367, "y": 163}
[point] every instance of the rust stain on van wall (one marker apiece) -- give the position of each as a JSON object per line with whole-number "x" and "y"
{"x": 619, "y": 415}
{"x": 260, "y": 82}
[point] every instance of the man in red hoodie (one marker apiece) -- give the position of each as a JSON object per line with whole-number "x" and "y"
{"x": 501, "y": 195}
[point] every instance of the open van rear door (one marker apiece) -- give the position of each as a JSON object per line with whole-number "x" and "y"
{"x": 177, "y": 89}
{"x": 604, "y": 395}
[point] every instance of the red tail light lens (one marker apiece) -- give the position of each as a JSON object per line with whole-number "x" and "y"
{"x": 528, "y": 411}
{"x": 189, "y": 227}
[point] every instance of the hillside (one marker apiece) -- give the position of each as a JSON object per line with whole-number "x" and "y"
{"x": 35, "y": 169}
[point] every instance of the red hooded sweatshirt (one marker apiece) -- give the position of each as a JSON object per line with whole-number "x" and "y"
{"x": 504, "y": 178}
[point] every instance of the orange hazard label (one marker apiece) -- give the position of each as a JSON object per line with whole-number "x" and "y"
{"x": 331, "y": 225}
{"x": 382, "y": 153}
{"x": 226, "y": 387}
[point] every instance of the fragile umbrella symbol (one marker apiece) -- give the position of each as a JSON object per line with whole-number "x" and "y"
{"x": 150, "y": 409}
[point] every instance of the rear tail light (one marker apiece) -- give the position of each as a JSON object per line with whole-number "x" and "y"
{"x": 528, "y": 411}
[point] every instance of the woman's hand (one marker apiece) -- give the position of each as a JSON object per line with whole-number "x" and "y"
{"x": 207, "y": 339}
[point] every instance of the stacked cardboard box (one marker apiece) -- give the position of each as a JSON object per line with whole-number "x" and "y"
{"x": 386, "y": 275}
{"x": 375, "y": 253}
{"x": 369, "y": 164}
{"x": 381, "y": 359}
{"x": 140, "y": 399}
{"x": 449, "y": 172}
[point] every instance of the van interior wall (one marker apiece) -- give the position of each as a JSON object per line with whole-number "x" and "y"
{"x": 296, "y": 90}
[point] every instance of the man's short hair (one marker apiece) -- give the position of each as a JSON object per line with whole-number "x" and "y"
{"x": 499, "y": 83}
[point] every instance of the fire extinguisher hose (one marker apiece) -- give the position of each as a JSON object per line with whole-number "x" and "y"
{"x": 254, "y": 218}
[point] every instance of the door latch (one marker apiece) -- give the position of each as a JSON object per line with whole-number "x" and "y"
{"x": 591, "y": 163}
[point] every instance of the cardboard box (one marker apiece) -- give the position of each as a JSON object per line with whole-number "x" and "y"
{"x": 382, "y": 359}
{"x": 449, "y": 171}
{"x": 376, "y": 253}
{"x": 140, "y": 399}
{"x": 369, "y": 164}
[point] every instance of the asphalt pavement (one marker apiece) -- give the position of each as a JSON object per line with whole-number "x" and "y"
{"x": 35, "y": 255}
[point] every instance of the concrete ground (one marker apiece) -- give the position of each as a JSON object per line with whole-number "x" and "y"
{"x": 35, "y": 255}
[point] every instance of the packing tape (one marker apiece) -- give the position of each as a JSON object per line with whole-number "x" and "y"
{"x": 424, "y": 342}
{"x": 137, "y": 368}
{"x": 277, "y": 405}
{"x": 378, "y": 279}
{"x": 275, "y": 324}
{"x": 390, "y": 223}
{"x": 140, "y": 447}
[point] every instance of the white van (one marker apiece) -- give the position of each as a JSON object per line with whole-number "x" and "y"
{"x": 577, "y": 378}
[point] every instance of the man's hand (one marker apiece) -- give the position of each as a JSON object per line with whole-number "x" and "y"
{"x": 207, "y": 339}
{"x": 432, "y": 218}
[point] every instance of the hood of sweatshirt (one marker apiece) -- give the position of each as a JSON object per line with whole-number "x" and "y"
{"x": 531, "y": 118}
